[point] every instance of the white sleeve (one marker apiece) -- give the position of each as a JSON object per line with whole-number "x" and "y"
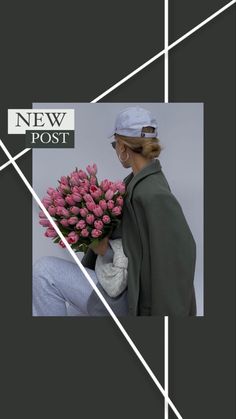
{"x": 112, "y": 275}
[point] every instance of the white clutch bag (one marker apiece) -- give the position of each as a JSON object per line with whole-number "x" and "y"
{"x": 113, "y": 275}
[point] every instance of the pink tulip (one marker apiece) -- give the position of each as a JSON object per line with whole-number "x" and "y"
{"x": 75, "y": 189}
{"x": 109, "y": 194}
{"x": 90, "y": 218}
{"x": 69, "y": 200}
{"x": 64, "y": 180}
{"x": 44, "y": 222}
{"x": 62, "y": 211}
{"x": 92, "y": 170}
{"x": 105, "y": 185}
{"x": 82, "y": 190}
{"x": 93, "y": 180}
{"x": 98, "y": 211}
{"x": 82, "y": 174}
{"x": 85, "y": 183}
{"x": 116, "y": 184}
{"x": 88, "y": 198}
{"x": 96, "y": 195}
{"x": 119, "y": 200}
{"x": 59, "y": 195}
{"x": 75, "y": 210}
{"x": 59, "y": 202}
{"x": 113, "y": 186}
{"x": 81, "y": 224}
{"x": 50, "y": 232}
{"x": 64, "y": 222}
{"x": 110, "y": 204}
{"x": 116, "y": 210}
{"x": 61, "y": 243}
{"x": 76, "y": 197}
{"x": 46, "y": 201}
{"x": 95, "y": 192}
{"x": 73, "y": 220}
{"x": 90, "y": 205}
{"x": 73, "y": 237}
{"x": 41, "y": 214}
{"x": 106, "y": 219}
{"x": 52, "y": 210}
{"x": 65, "y": 212}
{"x": 83, "y": 212}
{"x": 84, "y": 232}
{"x": 121, "y": 187}
{"x": 64, "y": 188}
{"x": 103, "y": 204}
{"x": 98, "y": 224}
{"x": 50, "y": 191}
{"x": 74, "y": 179}
{"x": 96, "y": 233}
{"x": 59, "y": 210}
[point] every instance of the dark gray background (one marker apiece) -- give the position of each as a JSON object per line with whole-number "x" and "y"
{"x": 66, "y": 367}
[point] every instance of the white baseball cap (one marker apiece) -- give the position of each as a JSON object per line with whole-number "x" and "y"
{"x": 131, "y": 120}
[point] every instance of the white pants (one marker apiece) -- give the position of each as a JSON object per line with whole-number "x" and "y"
{"x": 60, "y": 289}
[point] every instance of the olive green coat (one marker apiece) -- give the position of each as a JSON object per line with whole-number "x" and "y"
{"x": 159, "y": 245}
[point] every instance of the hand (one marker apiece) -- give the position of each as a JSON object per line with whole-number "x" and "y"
{"x": 101, "y": 247}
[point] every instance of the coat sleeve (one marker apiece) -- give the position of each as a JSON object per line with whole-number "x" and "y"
{"x": 89, "y": 259}
{"x": 169, "y": 253}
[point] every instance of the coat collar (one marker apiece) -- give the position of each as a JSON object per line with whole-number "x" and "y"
{"x": 131, "y": 180}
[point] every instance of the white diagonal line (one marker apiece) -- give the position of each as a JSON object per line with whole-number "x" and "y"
{"x": 99, "y": 294}
{"x": 155, "y": 57}
{"x": 166, "y": 100}
{"x": 15, "y": 157}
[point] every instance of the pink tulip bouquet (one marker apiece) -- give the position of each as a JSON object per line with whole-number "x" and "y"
{"x": 84, "y": 210}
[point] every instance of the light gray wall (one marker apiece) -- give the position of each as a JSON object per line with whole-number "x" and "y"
{"x": 180, "y": 129}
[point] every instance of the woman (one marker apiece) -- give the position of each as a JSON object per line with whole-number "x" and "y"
{"x": 155, "y": 236}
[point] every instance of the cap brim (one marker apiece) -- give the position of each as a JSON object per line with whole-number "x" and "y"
{"x": 111, "y": 134}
